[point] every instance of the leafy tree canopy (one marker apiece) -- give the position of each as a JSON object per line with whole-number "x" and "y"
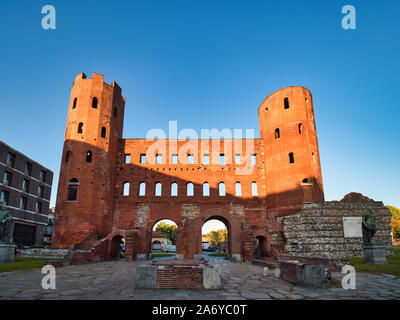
{"x": 168, "y": 230}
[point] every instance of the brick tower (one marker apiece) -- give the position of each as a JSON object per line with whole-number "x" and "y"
{"x": 292, "y": 164}
{"x": 87, "y": 176}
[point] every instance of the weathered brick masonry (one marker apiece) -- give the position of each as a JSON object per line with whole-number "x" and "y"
{"x": 92, "y": 212}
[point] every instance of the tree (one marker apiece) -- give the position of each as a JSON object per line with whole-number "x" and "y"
{"x": 395, "y": 221}
{"x": 168, "y": 230}
{"x": 217, "y": 237}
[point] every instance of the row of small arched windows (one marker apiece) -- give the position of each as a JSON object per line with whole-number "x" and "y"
{"x": 189, "y": 189}
{"x": 80, "y": 130}
{"x": 95, "y": 102}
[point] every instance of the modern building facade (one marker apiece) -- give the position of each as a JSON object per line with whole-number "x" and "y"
{"x": 25, "y": 187}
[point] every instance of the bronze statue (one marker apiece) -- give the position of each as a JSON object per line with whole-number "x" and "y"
{"x": 5, "y": 224}
{"x": 368, "y": 226}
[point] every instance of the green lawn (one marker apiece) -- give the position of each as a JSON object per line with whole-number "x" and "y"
{"x": 24, "y": 264}
{"x": 218, "y": 254}
{"x": 392, "y": 268}
{"x": 153, "y": 255}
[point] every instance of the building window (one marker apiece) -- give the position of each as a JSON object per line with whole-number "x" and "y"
{"x": 253, "y": 159}
{"x": 103, "y": 132}
{"x": 25, "y": 186}
{"x": 94, "y": 103}
{"x": 174, "y": 159}
{"x": 277, "y": 133}
{"x": 127, "y": 158}
{"x": 300, "y": 127}
{"x": 221, "y": 188}
{"x": 291, "y": 157}
{"x": 80, "y": 127}
{"x": 158, "y": 189}
{"x": 126, "y": 189}
{"x": 74, "y": 104}
{"x": 89, "y": 156}
{"x": 286, "y": 103}
{"x": 190, "y": 159}
{"x": 11, "y": 160}
{"x": 142, "y": 158}
{"x": 206, "y": 159}
{"x": 115, "y": 113}
{"x": 40, "y": 191}
{"x": 38, "y": 207}
{"x": 23, "y": 203}
{"x": 254, "y": 192}
{"x": 174, "y": 189}
{"x": 238, "y": 189}
{"x": 42, "y": 176}
{"x": 28, "y": 168}
{"x": 7, "y": 178}
{"x": 5, "y": 197}
{"x": 222, "y": 159}
{"x": 190, "y": 189}
{"x": 237, "y": 158}
{"x": 73, "y": 189}
{"x": 206, "y": 189}
{"x": 142, "y": 189}
{"x": 67, "y": 155}
{"x": 158, "y": 158}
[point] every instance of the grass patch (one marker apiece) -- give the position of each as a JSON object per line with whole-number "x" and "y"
{"x": 22, "y": 264}
{"x": 153, "y": 255}
{"x": 218, "y": 254}
{"x": 392, "y": 268}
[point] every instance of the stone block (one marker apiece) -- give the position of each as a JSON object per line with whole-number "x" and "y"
{"x": 146, "y": 277}
{"x": 211, "y": 279}
{"x": 7, "y": 253}
{"x": 308, "y": 275}
{"x": 375, "y": 254}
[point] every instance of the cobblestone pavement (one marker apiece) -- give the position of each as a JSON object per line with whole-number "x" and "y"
{"x": 116, "y": 280}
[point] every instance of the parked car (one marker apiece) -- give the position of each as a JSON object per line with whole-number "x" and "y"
{"x": 211, "y": 249}
{"x": 170, "y": 248}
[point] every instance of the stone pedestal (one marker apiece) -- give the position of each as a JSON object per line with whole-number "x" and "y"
{"x": 7, "y": 252}
{"x": 375, "y": 254}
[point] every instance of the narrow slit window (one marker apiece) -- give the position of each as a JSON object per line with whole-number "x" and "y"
{"x": 190, "y": 159}
{"x": 221, "y": 189}
{"x": 89, "y": 156}
{"x": 126, "y": 189}
{"x": 74, "y": 104}
{"x": 300, "y": 128}
{"x": 277, "y": 133}
{"x": 80, "y": 127}
{"x": 237, "y": 158}
{"x": 94, "y": 103}
{"x": 158, "y": 158}
{"x": 174, "y": 159}
{"x": 254, "y": 192}
{"x": 142, "y": 189}
{"x": 206, "y": 189}
{"x": 222, "y": 159}
{"x": 142, "y": 158}
{"x": 103, "y": 132}
{"x": 286, "y": 103}
{"x": 253, "y": 159}
{"x": 174, "y": 189}
{"x": 291, "y": 157}
{"x": 238, "y": 189}
{"x": 190, "y": 189}
{"x": 206, "y": 158}
{"x": 127, "y": 158}
{"x": 158, "y": 189}
{"x": 73, "y": 189}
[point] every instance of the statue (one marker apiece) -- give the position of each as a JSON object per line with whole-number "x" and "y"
{"x": 368, "y": 226}
{"x": 5, "y": 224}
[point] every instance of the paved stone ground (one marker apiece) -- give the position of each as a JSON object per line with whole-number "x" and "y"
{"x": 116, "y": 280}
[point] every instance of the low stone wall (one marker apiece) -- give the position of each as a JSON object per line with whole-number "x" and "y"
{"x": 43, "y": 253}
{"x": 316, "y": 231}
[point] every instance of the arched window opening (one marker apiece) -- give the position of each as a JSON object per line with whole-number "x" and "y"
{"x": 306, "y": 181}
{"x": 300, "y": 127}
{"x": 158, "y": 189}
{"x": 221, "y": 188}
{"x": 126, "y": 189}
{"x": 277, "y": 133}
{"x": 190, "y": 189}
{"x": 74, "y": 104}
{"x": 260, "y": 247}
{"x": 103, "y": 132}
{"x": 163, "y": 239}
{"x": 94, "y": 103}
{"x": 206, "y": 189}
{"x": 238, "y": 189}
{"x": 291, "y": 157}
{"x": 80, "y": 127}
{"x": 215, "y": 237}
{"x": 73, "y": 189}
{"x": 286, "y": 103}
{"x": 254, "y": 192}
{"x": 89, "y": 156}
{"x": 142, "y": 189}
{"x": 174, "y": 189}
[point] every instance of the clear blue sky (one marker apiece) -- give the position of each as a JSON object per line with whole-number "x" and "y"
{"x": 209, "y": 64}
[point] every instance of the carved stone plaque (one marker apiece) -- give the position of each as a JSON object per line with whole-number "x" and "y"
{"x": 352, "y": 227}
